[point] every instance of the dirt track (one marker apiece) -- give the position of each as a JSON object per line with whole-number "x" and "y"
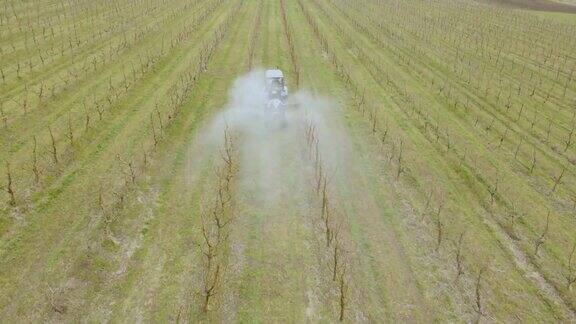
{"x": 540, "y": 5}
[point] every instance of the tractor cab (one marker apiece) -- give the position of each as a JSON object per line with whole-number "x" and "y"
{"x": 276, "y": 96}
{"x": 275, "y": 86}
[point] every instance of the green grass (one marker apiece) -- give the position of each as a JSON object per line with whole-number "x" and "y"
{"x": 558, "y": 16}
{"x": 467, "y": 91}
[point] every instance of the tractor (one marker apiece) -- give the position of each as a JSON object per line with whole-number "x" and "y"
{"x": 276, "y": 92}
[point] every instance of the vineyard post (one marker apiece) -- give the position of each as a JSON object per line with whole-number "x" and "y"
{"x": 570, "y": 277}
{"x": 3, "y": 115}
{"x": 87, "y": 115}
{"x": 478, "y": 293}
{"x": 343, "y": 289}
{"x": 439, "y": 226}
{"x": 154, "y": 137}
{"x": 54, "y": 150}
{"x": 9, "y": 186}
{"x": 557, "y": 180}
{"x": 400, "y": 167}
{"x": 518, "y": 148}
{"x": 335, "y": 258}
{"x": 568, "y": 141}
{"x": 70, "y": 134}
{"x": 459, "y": 256}
{"x": 514, "y": 215}
{"x": 35, "y": 168}
{"x": 494, "y": 191}
{"x": 533, "y": 159}
{"x": 548, "y": 130}
{"x": 540, "y": 240}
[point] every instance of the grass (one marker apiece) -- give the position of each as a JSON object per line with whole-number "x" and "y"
{"x": 431, "y": 126}
{"x": 559, "y": 16}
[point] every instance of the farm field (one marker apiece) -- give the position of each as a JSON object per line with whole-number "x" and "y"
{"x": 424, "y": 169}
{"x": 539, "y": 5}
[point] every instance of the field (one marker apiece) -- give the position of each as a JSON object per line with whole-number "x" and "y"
{"x": 425, "y": 170}
{"x": 562, "y": 6}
